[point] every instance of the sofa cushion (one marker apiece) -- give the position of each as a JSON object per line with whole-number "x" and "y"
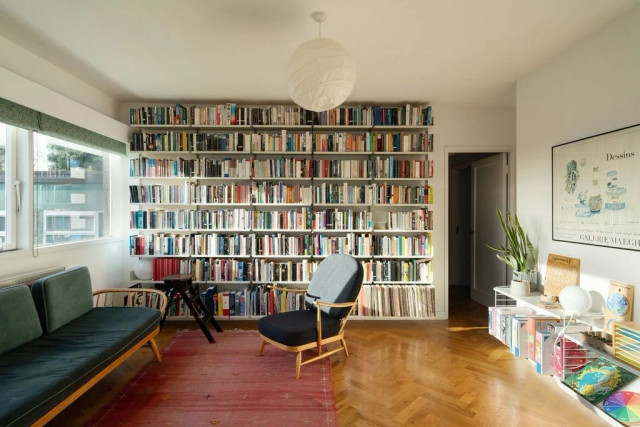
{"x": 294, "y": 328}
{"x": 18, "y": 317}
{"x": 63, "y": 296}
{"x": 36, "y": 377}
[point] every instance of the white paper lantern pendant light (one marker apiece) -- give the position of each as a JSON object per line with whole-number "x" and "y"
{"x": 321, "y": 72}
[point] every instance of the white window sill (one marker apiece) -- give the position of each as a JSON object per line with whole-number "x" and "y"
{"x": 43, "y": 250}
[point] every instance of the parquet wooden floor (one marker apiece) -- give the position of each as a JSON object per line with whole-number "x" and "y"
{"x": 426, "y": 373}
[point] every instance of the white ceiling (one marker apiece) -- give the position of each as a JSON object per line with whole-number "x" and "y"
{"x": 454, "y": 51}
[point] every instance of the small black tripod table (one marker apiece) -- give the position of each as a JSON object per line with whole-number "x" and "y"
{"x": 180, "y": 286}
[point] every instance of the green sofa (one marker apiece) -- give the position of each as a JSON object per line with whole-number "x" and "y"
{"x": 59, "y": 338}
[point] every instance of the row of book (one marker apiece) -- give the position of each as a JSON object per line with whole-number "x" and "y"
{"x": 535, "y": 337}
{"x": 402, "y": 246}
{"x": 335, "y": 219}
{"x": 300, "y": 271}
{"x": 283, "y": 141}
{"x": 283, "y": 245}
{"x": 223, "y": 303}
{"x": 283, "y": 168}
{"x": 256, "y": 192}
{"x": 212, "y": 244}
{"x": 416, "y": 301}
{"x": 356, "y": 244}
{"x": 225, "y": 219}
{"x": 191, "y": 244}
{"x": 379, "y": 167}
{"x": 266, "y": 301}
{"x": 144, "y": 167}
{"x": 231, "y": 114}
{"x": 295, "y": 271}
{"x": 279, "y": 192}
{"x": 394, "y": 168}
{"x": 412, "y": 301}
{"x": 301, "y": 219}
{"x": 232, "y": 270}
{"x": 304, "y": 219}
{"x": 323, "y": 193}
{"x": 160, "y": 115}
{"x": 400, "y": 270}
{"x": 418, "y": 219}
{"x": 222, "y": 193}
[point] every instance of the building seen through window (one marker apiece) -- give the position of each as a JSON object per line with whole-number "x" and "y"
{"x": 71, "y": 192}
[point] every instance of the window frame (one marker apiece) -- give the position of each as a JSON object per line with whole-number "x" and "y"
{"x": 11, "y": 220}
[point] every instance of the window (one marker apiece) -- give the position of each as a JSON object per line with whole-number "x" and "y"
{"x": 71, "y": 192}
{"x": 54, "y": 179}
{"x": 7, "y": 193}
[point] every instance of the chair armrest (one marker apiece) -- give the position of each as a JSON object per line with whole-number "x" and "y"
{"x": 130, "y": 297}
{"x": 319, "y": 317}
{"x": 334, "y": 304}
{"x": 297, "y": 291}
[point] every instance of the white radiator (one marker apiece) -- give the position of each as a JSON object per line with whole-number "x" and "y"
{"x": 28, "y": 277}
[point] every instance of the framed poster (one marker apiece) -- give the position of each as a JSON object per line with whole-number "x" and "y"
{"x": 596, "y": 190}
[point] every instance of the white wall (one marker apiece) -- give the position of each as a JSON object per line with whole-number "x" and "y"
{"x": 104, "y": 259}
{"x": 24, "y": 63}
{"x": 591, "y": 88}
{"x": 461, "y": 129}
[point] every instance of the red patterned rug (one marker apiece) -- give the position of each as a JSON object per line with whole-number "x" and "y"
{"x": 225, "y": 384}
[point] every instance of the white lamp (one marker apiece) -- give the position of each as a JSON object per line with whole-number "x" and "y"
{"x": 143, "y": 269}
{"x": 321, "y": 72}
{"x": 575, "y": 300}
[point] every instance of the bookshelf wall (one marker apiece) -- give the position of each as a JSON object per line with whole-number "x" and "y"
{"x": 242, "y": 197}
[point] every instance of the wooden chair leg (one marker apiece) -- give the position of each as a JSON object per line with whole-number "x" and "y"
{"x": 344, "y": 346}
{"x": 154, "y": 348}
{"x": 298, "y": 361}
{"x": 262, "y": 347}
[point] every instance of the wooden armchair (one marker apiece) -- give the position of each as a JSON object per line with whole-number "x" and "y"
{"x": 329, "y": 300}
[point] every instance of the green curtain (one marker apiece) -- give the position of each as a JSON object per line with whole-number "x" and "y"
{"x": 26, "y": 118}
{"x": 16, "y": 115}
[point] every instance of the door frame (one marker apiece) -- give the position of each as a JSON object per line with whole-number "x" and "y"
{"x": 511, "y": 197}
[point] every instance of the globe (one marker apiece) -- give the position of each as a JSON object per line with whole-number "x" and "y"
{"x": 617, "y": 304}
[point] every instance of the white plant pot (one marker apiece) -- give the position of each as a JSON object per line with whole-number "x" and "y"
{"x": 520, "y": 288}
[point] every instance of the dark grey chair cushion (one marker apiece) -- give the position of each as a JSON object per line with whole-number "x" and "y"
{"x": 294, "y": 328}
{"x": 338, "y": 278}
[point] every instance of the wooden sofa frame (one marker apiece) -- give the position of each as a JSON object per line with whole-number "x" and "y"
{"x": 117, "y": 297}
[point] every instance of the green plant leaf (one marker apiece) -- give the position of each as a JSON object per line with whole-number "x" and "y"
{"x": 519, "y": 253}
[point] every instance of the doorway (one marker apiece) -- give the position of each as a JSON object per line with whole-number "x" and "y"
{"x": 478, "y": 183}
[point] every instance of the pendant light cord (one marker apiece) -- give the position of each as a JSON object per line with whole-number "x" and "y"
{"x": 319, "y": 17}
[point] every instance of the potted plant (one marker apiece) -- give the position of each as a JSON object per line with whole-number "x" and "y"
{"x": 519, "y": 254}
